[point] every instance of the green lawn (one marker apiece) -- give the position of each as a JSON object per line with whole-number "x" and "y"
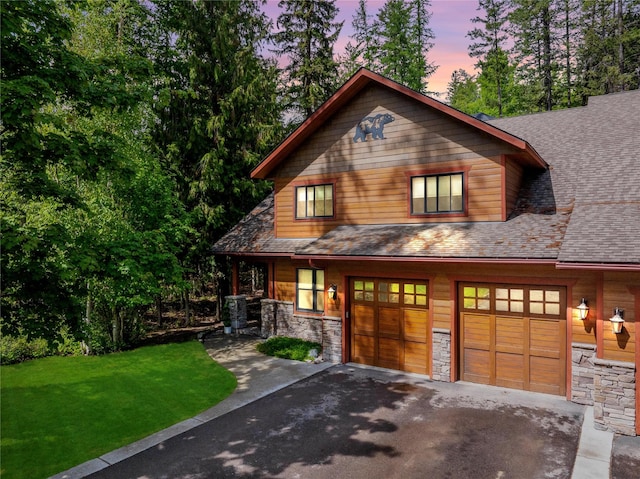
{"x": 58, "y": 412}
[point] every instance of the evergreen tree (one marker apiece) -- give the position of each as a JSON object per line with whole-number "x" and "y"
{"x": 218, "y": 112}
{"x": 363, "y": 34}
{"x": 402, "y": 41}
{"x": 535, "y": 34}
{"x": 307, "y": 34}
{"x": 489, "y": 42}
{"x": 463, "y": 92}
{"x": 610, "y": 47}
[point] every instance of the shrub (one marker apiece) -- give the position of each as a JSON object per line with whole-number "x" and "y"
{"x": 67, "y": 345}
{"x": 18, "y": 349}
{"x": 288, "y": 348}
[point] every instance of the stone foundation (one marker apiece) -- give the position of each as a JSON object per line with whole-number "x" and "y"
{"x": 582, "y": 373}
{"x": 614, "y": 396}
{"x": 278, "y": 319}
{"x": 441, "y": 344}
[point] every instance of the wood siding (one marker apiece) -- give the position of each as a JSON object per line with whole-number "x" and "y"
{"x": 371, "y": 181}
{"x": 513, "y": 181}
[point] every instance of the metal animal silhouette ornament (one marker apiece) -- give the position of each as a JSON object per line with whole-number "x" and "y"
{"x": 373, "y": 125}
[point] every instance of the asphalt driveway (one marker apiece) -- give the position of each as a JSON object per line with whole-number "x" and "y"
{"x": 348, "y": 422}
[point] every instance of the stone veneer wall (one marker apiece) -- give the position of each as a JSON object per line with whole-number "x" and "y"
{"x": 441, "y": 344}
{"x": 614, "y": 396}
{"x": 237, "y": 310}
{"x": 278, "y": 319}
{"x": 582, "y": 373}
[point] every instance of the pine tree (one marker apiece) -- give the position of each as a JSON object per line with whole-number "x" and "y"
{"x": 218, "y": 112}
{"x": 307, "y": 34}
{"x": 363, "y": 34}
{"x": 489, "y": 41}
{"x": 610, "y": 47}
{"x": 534, "y": 27}
{"x": 402, "y": 41}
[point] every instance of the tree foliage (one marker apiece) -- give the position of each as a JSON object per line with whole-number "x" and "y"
{"x": 307, "y": 33}
{"x": 218, "y": 113}
{"x": 396, "y": 43}
{"x": 90, "y": 225}
{"x": 553, "y": 53}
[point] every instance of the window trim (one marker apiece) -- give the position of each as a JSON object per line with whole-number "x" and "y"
{"x": 464, "y": 171}
{"x": 314, "y": 183}
{"x": 315, "y": 289}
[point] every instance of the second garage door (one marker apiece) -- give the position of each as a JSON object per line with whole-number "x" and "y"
{"x": 389, "y": 320}
{"x": 513, "y": 336}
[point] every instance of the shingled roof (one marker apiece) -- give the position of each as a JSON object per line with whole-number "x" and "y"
{"x": 583, "y": 210}
{"x": 594, "y": 158}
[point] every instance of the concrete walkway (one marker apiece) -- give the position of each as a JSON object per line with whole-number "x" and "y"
{"x": 258, "y": 376}
{"x": 593, "y": 460}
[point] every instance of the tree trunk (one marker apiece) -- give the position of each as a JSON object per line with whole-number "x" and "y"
{"x": 86, "y": 346}
{"x": 620, "y": 45}
{"x": 159, "y": 309}
{"x": 568, "y": 49}
{"x": 548, "y": 82}
{"x": 117, "y": 332}
{"x": 187, "y": 312}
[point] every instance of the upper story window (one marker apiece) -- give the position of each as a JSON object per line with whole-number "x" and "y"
{"x": 310, "y": 290}
{"x": 437, "y": 194}
{"x": 314, "y": 201}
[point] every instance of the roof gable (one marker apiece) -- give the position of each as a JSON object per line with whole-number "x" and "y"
{"x": 358, "y": 82}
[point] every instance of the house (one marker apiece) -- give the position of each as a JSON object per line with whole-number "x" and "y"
{"x": 405, "y": 234}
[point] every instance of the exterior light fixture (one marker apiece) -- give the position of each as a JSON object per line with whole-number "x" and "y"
{"x": 333, "y": 292}
{"x": 583, "y": 309}
{"x": 617, "y": 322}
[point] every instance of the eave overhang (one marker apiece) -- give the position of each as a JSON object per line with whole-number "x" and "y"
{"x": 360, "y": 80}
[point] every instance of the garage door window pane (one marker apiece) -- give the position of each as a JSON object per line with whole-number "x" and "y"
{"x": 367, "y": 294}
{"x": 394, "y": 293}
{"x": 536, "y": 295}
{"x": 552, "y": 296}
{"x": 516, "y": 306}
{"x": 477, "y": 298}
{"x": 551, "y": 308}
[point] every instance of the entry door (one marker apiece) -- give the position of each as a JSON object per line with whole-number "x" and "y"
{"x": 389, "y": 323}
{"x": 513, "y": 336}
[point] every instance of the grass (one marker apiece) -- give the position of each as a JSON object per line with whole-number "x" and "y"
{"x": 288, "y": 348}
{"x": 59, "y": 412}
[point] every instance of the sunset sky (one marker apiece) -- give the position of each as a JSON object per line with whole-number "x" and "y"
{"x": 450, "y": 22}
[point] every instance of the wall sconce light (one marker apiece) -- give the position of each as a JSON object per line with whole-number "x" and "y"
{"x": 617, "y": 321}
{"x": 583, "y": 309}
{"x": 333, "y": 292}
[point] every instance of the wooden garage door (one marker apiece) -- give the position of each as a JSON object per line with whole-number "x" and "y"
{"x": 389, "y": 323}
{"x": 513, "y": 336}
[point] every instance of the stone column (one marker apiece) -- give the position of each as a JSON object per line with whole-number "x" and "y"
{"x": 582, "y": 372}
{"x": 614, "y": 396}
{"x": 332, "y": 339}
{"x": 237, "y": 310}
{"x": 268, "y": 316}
{"x": 441, "y": 344}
